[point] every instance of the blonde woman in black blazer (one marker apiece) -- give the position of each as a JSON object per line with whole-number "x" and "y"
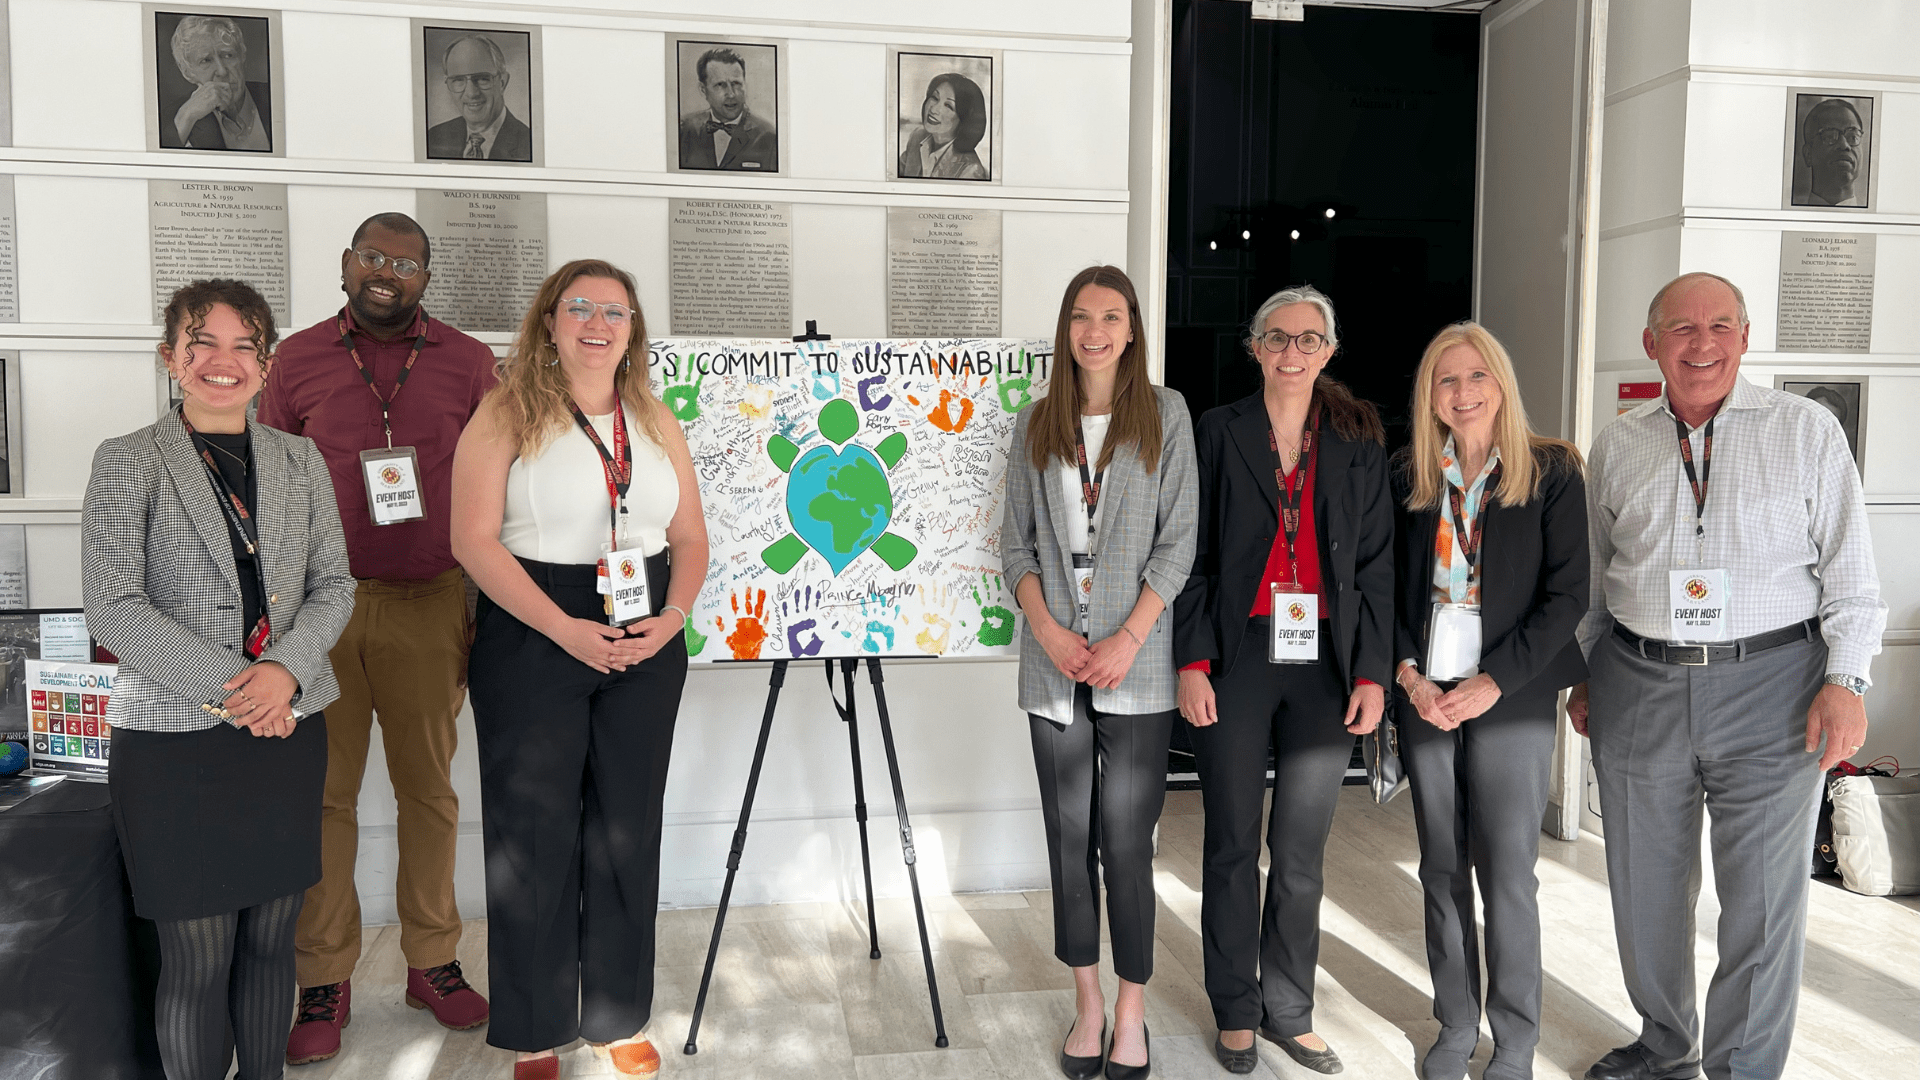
{"x": 1478, "y": 749}
{"x": 1260, "y": 959}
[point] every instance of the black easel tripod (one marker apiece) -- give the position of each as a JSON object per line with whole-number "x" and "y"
{"x": 774, "y": 681}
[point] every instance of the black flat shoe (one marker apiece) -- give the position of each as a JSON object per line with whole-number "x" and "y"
{"x": 1235, "y": 1061}
{"x": 1320, "y": 1061}
{"x": 1117, "y": 1071}
{"x": 1632, "y": 1062}
{"x": 1082, "y": 1068}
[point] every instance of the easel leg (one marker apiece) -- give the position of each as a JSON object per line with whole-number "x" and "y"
{"x": 847, "y": 714}
{"x": 906, "y": 846}
{"x": 774, "y": 681}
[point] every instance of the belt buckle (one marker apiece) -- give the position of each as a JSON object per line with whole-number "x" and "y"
{"x": 1683, "y": 655}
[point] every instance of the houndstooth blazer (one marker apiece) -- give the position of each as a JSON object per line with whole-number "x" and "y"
{"x": 163, "y": 594}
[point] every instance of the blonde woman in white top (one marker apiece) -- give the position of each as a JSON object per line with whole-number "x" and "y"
{"x": 572, "y": 473}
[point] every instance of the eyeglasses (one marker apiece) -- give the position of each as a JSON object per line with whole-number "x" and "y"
{"x": 374, "y": 260}
{"x": 581, "y": 309}
{"x": 457, "y": 84}
{"x": 1835, "y": 136}
{"x": 1276, "y": 341}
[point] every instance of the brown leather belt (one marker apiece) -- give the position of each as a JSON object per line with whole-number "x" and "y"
{"x": 1720, "y": 652}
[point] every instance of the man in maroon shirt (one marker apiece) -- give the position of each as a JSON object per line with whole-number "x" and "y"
{"x": 385, "y": 391}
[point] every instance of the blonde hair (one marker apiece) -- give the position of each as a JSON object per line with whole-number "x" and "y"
{"x": 533, "y": 395}
{"x": 1520, "y": 473}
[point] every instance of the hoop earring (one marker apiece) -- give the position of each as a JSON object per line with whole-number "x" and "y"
{"x": 627, "y": 364}
{"x": 556, "y": 354}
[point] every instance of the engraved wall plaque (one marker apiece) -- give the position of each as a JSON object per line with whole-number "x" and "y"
{"x": 211, "y": 228}
{"x": 489, "y": 256}
{"x": 1826, "y": 292}
{"x": 731, "y": 264}
{"x": 943, "y": 272}
{"x": 9, "y": 256}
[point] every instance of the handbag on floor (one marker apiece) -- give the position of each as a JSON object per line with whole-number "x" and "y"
{"x": 1876, "y": 833}
{"x": 1386, "y": 774}
{"x": 1824, "y": 862}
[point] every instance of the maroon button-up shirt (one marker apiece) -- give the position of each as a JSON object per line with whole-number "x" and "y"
{"x": 315, "y": 390}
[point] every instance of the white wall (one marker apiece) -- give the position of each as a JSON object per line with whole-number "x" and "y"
{"x": 1695, "y": 133}
{"x": 88, "y": 329}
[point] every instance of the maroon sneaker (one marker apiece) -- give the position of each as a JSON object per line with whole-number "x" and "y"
{"x": 324, "y": 1010}
{"x": 445, "y": 991}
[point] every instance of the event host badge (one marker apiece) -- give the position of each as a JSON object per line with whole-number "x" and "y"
{"x": 393, "y": 485}
{"x": 1698, "y": 602}
{"x": 623, "y": 578}
{"x": 1296, "y": 626}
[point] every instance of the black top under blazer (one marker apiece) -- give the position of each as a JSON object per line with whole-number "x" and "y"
{"x": 1533, "y": 580}
{"x": 1239, "y": 514}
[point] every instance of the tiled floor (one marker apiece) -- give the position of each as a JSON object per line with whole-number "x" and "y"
{"x": 796, "y": 997}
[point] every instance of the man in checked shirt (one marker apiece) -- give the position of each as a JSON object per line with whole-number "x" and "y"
{"x": 1735, "y": 611}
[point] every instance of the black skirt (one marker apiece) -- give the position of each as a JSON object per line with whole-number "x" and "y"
{"x": 217, "y": 820}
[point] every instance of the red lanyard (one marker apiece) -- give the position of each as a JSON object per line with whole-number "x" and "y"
{"x": 1089, "y": 484}
{"x": 1468, "y": 540}
{"x": 617, "y": 465}
{"x": 386, "y": 403}
{"x": 1699, "y": 481}
{"x": 244, "y": 530}
{"x": 1291, "y": 497}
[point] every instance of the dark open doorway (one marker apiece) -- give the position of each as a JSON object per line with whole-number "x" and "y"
{"x": 1368, "y": 113}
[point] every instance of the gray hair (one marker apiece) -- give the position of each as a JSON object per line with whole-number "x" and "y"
{"x": 1299, "y": 294}
{"x": 1653, "y": 309}
{"x": 194, "y": 26}
{"x": 493, "y": 50}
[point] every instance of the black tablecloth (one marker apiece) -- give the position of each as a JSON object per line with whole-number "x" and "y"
{"x": 77, "y": 968}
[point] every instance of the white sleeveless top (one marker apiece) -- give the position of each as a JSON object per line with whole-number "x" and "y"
{"x": 557, "y": 501}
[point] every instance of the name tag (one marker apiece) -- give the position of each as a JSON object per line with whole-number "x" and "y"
{"x": 1453, "y": 642}
{"x": 1296, "y": 626}
{"x": 393, "y": 485}
{"x": 625, "y": 573}
{"x": 1697, "y": 603}
{"x": 1082, "y": 588}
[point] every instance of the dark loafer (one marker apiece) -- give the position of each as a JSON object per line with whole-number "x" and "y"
{"x": 1447, "y": 1058}
{"x": 1633, "y": 1062}
{"x": 1117, "y": 1071}
{"x": 1235, "y": 1061}
{"x": 1320, "y": 1061}
{"x": 1082, "y": 1068}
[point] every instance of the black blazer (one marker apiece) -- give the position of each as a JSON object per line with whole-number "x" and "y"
{"x": 1533, "y": 580}
{"x": 1239, "y": 514}
{"x": 447, "y": 140}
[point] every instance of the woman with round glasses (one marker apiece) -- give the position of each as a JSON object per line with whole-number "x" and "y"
{"x": 1283, "y": 634}
{"x": 1492, "y": 568}
{"x": 953, "y": 120}
{"x": 571, "y": 488}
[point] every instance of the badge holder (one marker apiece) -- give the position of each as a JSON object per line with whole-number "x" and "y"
{"x": 1082, "y": 588}
{"x": 622, "y": 579}
{"x": 1295, "y": 638}
{"x": 392, "y": 477}
{"x": 1453, "y": 642}
{"x": 1697, "y": 605}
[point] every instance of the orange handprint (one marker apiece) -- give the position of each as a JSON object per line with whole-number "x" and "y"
{"x": 956, "y": 397}
{"x": 749, "y": 633}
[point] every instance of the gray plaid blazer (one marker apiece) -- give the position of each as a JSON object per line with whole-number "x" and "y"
{"x": 1148, "y": 528}
{"x": 163, "y": 594}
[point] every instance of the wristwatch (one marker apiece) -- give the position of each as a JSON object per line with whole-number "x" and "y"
{"x": 1853, "y": 684}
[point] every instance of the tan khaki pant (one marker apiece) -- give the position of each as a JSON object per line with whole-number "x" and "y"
{"x": 404, "y": 656}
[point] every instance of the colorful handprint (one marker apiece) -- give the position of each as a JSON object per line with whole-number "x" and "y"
{"x": 749, "y": 631}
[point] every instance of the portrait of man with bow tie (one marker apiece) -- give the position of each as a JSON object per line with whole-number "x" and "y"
{"x": 727, "y": 105}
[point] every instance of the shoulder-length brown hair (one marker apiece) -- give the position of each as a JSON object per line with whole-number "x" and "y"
{"x": 533, "y": 394}
{"x": 1522, "y": 452}
{"x": 1136, "y": 412}
{"x": 1350, "y": 418}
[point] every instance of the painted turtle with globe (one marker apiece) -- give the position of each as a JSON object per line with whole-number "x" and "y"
{"x": 839, "y": 500}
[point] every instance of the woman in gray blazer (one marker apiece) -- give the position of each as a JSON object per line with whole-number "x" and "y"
{"x": 214, "y": 569}
{"x": 1098, "y": 540}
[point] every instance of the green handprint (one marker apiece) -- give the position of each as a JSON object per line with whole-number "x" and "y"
{"x": 696, "y": 640}
{"x": 996, "y": 622}
{"x": 682, "y": 395}
{"x": 1014, "y": 394}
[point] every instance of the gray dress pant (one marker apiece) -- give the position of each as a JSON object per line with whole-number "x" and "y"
{"x": 1669, "y": 740}
{"x": 1479, "y": 793}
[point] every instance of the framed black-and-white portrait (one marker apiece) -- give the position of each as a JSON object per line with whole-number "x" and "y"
{"x": 943, "y": 115}
{"x": 11, "y": 466}
{"x": 1832, "y": 145}
{"x": 214, "y": 82}
{"x": 724, "y": 104}
{"x": 1845, "y": 398}
{"x": 6, "y": 77}
{"x": 477, "y": 92}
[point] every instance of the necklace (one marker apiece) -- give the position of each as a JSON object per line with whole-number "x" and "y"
{"x": 237, "y": 459}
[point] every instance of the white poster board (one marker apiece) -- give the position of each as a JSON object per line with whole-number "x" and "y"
{"x": 68, "y": 705}
{"x": 853, "y": 492}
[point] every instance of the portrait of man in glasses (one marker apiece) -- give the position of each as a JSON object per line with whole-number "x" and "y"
{"x": 1832, "y": 151}
{"x": 476, "y": 78}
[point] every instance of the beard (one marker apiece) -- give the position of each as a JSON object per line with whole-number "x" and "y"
{"x": 369, "y": 310}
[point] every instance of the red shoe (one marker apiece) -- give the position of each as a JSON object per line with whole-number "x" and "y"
{"x": 546, "y": 1068}
{"x": 445, "y": 991}
{"x": 324, "y": 1010}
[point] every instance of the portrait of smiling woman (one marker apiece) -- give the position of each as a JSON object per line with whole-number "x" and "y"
{"x": 944, "y": 127}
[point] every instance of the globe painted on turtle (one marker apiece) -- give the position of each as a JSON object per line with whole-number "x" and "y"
{"x": 839, "y": 502}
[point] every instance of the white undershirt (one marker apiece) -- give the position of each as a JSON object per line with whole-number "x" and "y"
{"x": 557, "y": 500}
{"x": 1078, "y": 541}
